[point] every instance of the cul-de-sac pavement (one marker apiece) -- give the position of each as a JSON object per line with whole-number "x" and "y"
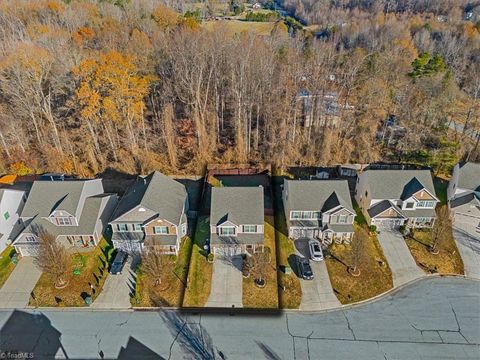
{"x": 435, "y": 318}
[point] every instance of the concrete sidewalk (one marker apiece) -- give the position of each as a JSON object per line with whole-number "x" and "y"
{"x": 15, "y": 293}
{"x": 227, "y": 283}
{"x": 469, "y": 248}
{"x": 401, "y": 262}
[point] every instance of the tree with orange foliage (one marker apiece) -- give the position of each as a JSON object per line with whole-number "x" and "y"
{"x": 110, "y": 92}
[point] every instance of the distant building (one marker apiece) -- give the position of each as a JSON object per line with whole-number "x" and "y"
{"x": 321, "y": 109}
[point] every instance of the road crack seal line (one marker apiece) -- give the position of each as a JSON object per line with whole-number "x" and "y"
{"x": 175, "y": 340}
{"x": 348, "y": 324}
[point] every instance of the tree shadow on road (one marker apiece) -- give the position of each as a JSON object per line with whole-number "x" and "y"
{"x": 191, "y": 337}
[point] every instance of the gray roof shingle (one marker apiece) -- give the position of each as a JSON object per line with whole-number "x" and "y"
{"x": 317, "y": 195}
{"x": 157, "y": 194}
{"x": 239, "y": 205}
{"x": 47, "y": 196}
{"x": 469, "y": 176}
{"x": 397, "y": 184}
{"x": 86, "y": 225}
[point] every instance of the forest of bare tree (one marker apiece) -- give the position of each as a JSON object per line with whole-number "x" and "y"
{"x": 136, "y": 85}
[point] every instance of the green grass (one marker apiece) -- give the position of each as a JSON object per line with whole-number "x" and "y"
{"x": 200, "y": 271}
{"x": 6, "y": 264}
{"x": 441, "y": 186}
{"x": 292, "y": 296}
{"x": 359, "y": 218}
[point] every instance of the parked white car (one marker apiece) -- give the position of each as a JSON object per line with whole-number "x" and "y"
{"x": 316, "y": 253}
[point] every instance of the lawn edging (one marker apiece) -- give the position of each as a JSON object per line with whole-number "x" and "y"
{"x": 384, "y": 294}
{"x": 212, "y": 310}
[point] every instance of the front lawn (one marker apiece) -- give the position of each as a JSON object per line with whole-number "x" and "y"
{"x": 441, "y": 186}
{"x": 448, "y": 259}
{"x": 6, "y": 264}
{"x": 86, "y": 268}
{"x": 267, "y": 297}
{"x": 171, "y": 291}
{"x": 375, "y": 275}
{"x": 200, "y": 272}
{"x": 290, "y": 291}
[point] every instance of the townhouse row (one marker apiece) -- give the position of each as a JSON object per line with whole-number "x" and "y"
{"x": 153, "y": 212}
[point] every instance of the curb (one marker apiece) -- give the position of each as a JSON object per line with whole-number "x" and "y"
{"x": 266, "y": 311}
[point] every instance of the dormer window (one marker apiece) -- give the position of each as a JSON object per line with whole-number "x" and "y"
{"x": 63, "y": 221}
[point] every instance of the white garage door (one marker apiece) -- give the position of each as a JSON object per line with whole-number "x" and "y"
{"x": 388, "y": 223}
{"x": 130, "y": 247}
{"x": 227, "y": 251}
{"x": 28, "y": 250}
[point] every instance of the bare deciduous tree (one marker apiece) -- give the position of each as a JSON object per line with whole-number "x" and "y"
{"x": 156, "y": 265}
{"x": 261, "y": 261}
{"x": 357, "y": 251}
{"x": 440, "y": 230}
{"x": 52, "y": 258}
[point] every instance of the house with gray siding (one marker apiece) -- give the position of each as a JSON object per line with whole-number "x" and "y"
{"x": 11, "y": 205}
{"x": 75, "y": 212}
{"x": 151, "y": 214}
{"x": 236, "y": 220}
{"x": 392, "y": 198}
{"x": 318, "y": 209}
{"x": 463, "y": 194}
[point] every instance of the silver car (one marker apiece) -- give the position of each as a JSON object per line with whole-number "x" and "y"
{"x": 316, "y": 253}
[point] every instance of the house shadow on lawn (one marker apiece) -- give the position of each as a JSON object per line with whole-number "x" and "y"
{"x": 293, "y": 260}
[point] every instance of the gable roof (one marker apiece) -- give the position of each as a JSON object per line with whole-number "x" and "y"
{"x": 397, "y": 184}
{"x": 86, "y": 225}
{"x": 46, "y": 196}
{"x": 239, "y": 205}
{"x": 469, "y": 176}
{"x": 464, "y": 199}
{"x": 381, "y": 206}
{"x": 315, "y": 195}
{"x": 158, "y": 194}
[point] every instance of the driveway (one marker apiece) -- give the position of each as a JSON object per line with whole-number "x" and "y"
{"x": 117, "y": 289}
{"x": 469, "y": 248}
{"x": 317, "y": 294}
{"x": 15, "y": 293}
{"x": 401, "y": 262}
{"x": 227, "y": 281}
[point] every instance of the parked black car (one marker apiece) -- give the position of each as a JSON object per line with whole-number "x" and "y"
{"x": 304, "y": 269}
{"x": 118, "y": 263}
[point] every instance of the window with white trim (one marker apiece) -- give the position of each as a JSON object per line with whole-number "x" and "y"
{"x": 160, "y": 230}
{"x": 137, "y": 227}
{"x": 426, "y": 204}
{"x": 249, "y": 228}
{"x": 184, "y": 228}
{"x": 305, "y": 215}
{"x": 63, "y": 221}
{"x": 226, "y": 230}
{"x": 122, "y": 227}
{"x": 342, "y": 219}
{"x": 409, "y": 205}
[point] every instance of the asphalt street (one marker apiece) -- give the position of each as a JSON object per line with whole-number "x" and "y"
{"x": 434, "y": 318}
